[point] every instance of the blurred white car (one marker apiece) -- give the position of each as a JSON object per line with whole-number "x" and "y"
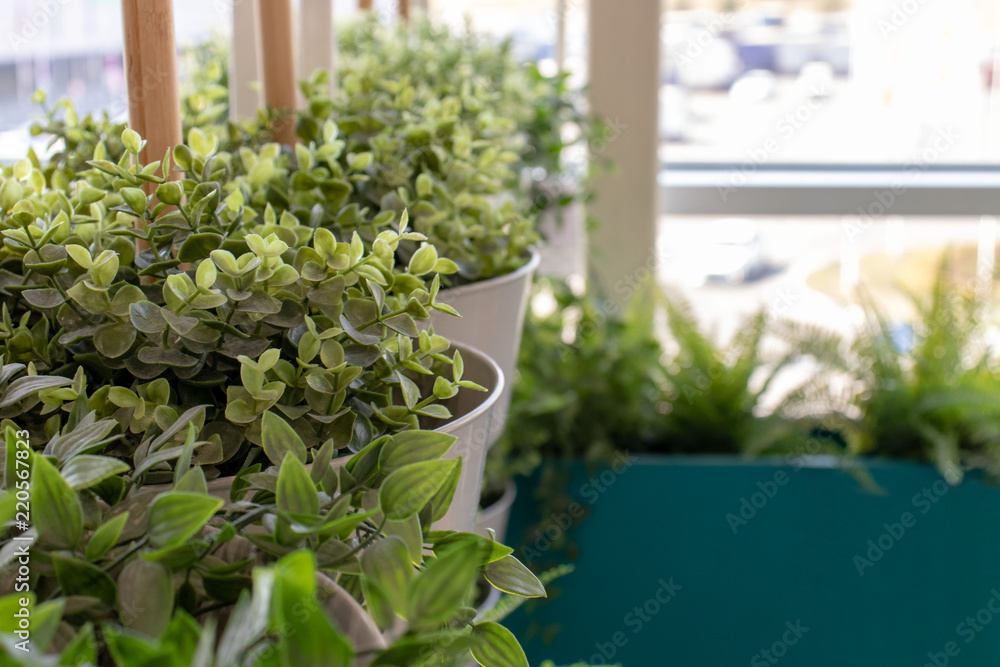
{"x": 816, "y": 80}
{"x": 674, "y": 116}
{"x": 731, "y": 249}
{"x": 757, "y": 85}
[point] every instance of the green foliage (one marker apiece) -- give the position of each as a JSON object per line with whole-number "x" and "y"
{"x": 432, "y": 156}
{"x": 152, "y": 344}
{"x": 935, "y": 402}
{"x": 714, "y": 393}
{"x": 227, "y": 314}
{"x": 205, "y": 83}
{"x": 575, "y": 362}
{"x": 281, "y": 618}
{"x": 140, "y": 557}
{"x": 508, "y": 103}
{"x": 450, "y": 126}
{"x": 691, "y": 396}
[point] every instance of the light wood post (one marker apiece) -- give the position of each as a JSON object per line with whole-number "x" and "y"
{"x": 274, "y": 20}
{"x": 154, "y": 102}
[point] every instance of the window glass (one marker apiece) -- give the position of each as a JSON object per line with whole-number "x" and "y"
{"x": 829, "y": 81}
{"x": 73, "y": 49}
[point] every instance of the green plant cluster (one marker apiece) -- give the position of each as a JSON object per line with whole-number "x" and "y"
{"x": 456, "y": 130}
{"x": 227, "y": 305}
{"x": 542, "y": 110}
{"x": 579, "y": 357}
{"x": 160, "y": 335}
{"x": 868, "y": 395}
{"x": 419, "y": 152}
{"x": 932, "y": 398}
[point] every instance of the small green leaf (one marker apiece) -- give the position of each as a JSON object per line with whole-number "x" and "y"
{"x": 105, "y": 537}
{"x": 170, "y": 193}
{"x": 414, "y": 446}
{"x": 296, "y": 492}
{"x": 406, "y": 491}
{"x": 177, "y": 516}
{"x": 132, "y": 141}
{"x": 280, "y": 439}
{"x": 510, "y": 576}
{"x": 85, "y": 471}
{"x": 496, "y": 646}
{"x": 442, "y": 586}
{"x": 114, "y": 339}
{"x": 56, "y": 509}
{"x": 423, "y": 260}
{"x": 387, "y": 563}
{"x": 135, "y": 198}
{"x": 145, "y": 596}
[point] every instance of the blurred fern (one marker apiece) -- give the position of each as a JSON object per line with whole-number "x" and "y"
{"x": 938, "y": 401}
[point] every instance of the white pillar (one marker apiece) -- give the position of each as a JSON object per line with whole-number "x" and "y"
{"x": 244, "y": 66}
{"x": 317, "y": 43}
{"x": 624, "y": 90}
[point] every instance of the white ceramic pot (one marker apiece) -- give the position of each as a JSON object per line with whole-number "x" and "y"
{"x": 497, "y": 515}
{"x": 492, "y": 318}
{"x": 474, "y": 423}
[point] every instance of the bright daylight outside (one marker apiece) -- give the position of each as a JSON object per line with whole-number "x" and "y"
{"x": 511, "y": 333}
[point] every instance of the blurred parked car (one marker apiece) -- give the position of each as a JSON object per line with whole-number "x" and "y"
{"x": 755, "y": 86}
{"x": 732, "y": 250}
{"x": 674, "y": 115}
{"x": 816, "y": 80}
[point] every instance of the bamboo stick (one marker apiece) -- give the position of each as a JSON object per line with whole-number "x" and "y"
{"x": 151, "y": 71}
{"x": 274, "y": 20}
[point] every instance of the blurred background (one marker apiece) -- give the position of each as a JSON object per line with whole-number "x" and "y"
{"x": 754, "y": 94}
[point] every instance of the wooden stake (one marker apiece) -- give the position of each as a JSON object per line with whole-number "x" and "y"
{"x": 154, "y": 102}
{"x": 365, "y": 5}
{"x": 404, "y": 10}
{"x": 274, "y": 20}
{"x": 154, "y": 99}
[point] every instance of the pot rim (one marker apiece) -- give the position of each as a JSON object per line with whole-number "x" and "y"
{"x": 534, "y": 259}
{"x": 492, "y": 396}
{"x": 503, "y": 502}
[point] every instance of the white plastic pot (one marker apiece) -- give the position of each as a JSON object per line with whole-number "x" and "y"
{"x": 475, "y": 423}
{"x": 492, "y": 316}
{"x": 497, "y": 515}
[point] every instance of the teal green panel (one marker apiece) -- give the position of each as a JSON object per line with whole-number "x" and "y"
{"x": 815, "y": 572}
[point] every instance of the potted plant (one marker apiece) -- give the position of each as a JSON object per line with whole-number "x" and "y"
{"x": 109, "y": 562}
{"x": 427, "y": 157}
{"x": 171, "y": 362}
{"x": 317, "y": 330}
{"x": 787, "y": 525}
